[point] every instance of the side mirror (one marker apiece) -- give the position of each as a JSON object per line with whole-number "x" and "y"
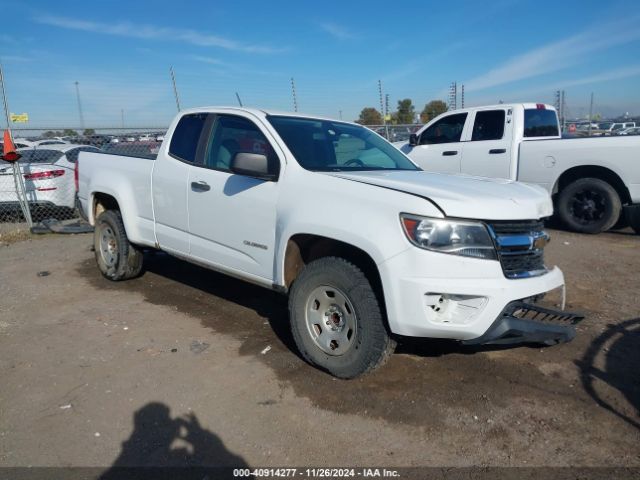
{"x": 413, "y": 139}
{"x": 252, "y": 165}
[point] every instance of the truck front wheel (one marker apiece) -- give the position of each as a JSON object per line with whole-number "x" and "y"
{"x": 116, "y": 257}
{"x": 589, "y": 205}
{"x": 336, "y": 319}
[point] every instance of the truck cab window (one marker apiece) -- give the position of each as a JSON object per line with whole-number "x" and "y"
{"x": 231, "y": 135}
{"x": 540, "y": 123}
{"x": 184, "y": 142}
{"x": 488, "y": 125}
{"x": 446, "y": 130}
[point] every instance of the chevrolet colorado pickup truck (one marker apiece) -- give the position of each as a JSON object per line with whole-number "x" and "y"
{"x": 367, "y": 246}
{"x": 595, "y": 182}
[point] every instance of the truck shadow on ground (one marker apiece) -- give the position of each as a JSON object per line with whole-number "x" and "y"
{"x": 173, "y": 444}
{"x": 610, "y": 369}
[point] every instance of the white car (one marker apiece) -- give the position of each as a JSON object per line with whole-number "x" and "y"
{"x": 146, "y": 138}
{"x": 629, "y": 131}
{"x": 364, "y": 242}
{"x": 48, "y": 176}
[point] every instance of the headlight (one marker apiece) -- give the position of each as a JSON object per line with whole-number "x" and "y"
{"x": 469, "y": 239}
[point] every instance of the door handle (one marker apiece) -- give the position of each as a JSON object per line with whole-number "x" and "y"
{"x": 449, "y": 153}
{"x": 200, "y": 186}
{"x": 498, "y": 150}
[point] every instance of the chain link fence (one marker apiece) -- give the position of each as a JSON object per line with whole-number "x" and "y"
{"x": 48, "y": 162}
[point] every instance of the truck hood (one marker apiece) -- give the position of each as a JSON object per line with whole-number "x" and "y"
{"x": 464, "y": 196}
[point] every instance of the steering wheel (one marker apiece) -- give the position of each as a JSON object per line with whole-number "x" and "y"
{"x": 354, "y": 161}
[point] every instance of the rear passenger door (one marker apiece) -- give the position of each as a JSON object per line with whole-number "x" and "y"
{"x": 487, "y": 153}
{"x": 170, "y": 183}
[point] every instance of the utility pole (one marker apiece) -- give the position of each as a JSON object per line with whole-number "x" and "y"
{"x": 17, "y": 173}
{"x": 175, "y": 89}
{"x": 384, "y": 117}
{"x": 590, "y": 113}
{"x": 293, "y": 93}
{"x": 340, "y": 114}
{"x": 386, "y": 104}
{"x": 462, "y": 97}
{"x": 238, "y": 97}
{"x": 122, "y": 116}
{"x": 453, "y": 96}
{"x": 79, "y": 105}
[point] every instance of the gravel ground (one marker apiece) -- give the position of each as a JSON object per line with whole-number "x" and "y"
{"x": 184, "y": 366}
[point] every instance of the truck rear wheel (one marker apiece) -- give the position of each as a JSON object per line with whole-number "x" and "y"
{"x": 336, "y": 319}
{"x": 589, "y": 205}
{"x": 116, "y": 257}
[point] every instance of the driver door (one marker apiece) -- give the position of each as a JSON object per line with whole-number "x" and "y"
{"x": 439, "y": 147}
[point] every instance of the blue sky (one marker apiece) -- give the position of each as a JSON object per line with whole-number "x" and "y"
{"x": 120, "y": 53}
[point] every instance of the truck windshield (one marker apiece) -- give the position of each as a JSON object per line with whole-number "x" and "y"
{"x": 540, "y": 123}
{"x": 324, "y": 145}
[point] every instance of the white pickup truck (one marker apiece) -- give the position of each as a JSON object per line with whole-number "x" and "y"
{"x": 595, "y": 182}
{"x": 367, "y": 246}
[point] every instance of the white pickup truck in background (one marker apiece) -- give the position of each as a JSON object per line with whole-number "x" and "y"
{"x": 595, "y": 182}
{"x": 366, "y": 245}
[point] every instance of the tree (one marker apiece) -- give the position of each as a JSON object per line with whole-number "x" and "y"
{"x": 432, "y": 109}
{"x": 69, "y": 133}
{"x": 50, "y": 134}
{"x": 88, "y": 131}
{"x": 370, "y": 116}
{"x": 406, "y": 112}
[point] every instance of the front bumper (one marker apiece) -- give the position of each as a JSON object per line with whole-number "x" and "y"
{"x": 435, "y": 295}
{"x": 521, "y": 322}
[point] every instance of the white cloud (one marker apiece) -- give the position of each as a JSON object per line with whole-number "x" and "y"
{"x": 557, "y": 55}
{"x": 151, "y": 32}
{"x": 15, "y": 58}
{"x": 209, "y": 60}
{"x": 338, "y": 31}
{"x": 603, "y": 77}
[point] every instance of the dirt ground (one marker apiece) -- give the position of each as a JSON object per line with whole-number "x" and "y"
{"x": 186, "y": 366}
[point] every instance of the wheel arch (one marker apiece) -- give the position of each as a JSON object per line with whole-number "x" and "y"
{"x": 303, "y": 248}
{"x": 593, "y": 171}
{"x": 100, "y": 202}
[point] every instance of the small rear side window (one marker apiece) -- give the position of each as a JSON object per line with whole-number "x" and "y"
{"x": 488, "y": 125}
{"x": 540, "y": 123}
{"x": 184, "y": 142}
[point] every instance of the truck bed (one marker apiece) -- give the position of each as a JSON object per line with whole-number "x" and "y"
{"x": 98, "y": 171}
{"x": 619, "y": 154}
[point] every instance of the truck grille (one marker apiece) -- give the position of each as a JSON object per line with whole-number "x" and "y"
{"x": 520, "y": 246}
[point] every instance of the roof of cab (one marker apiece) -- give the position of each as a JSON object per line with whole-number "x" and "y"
{"x": 259, "y": 112}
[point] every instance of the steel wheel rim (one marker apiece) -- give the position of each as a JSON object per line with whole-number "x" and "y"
{"x": 588, "y": 206}
{"x": 331, "y": 320}
{"x": 108, "y": 246}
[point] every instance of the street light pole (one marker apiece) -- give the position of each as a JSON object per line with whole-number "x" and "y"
{"x": 79, "y": 106}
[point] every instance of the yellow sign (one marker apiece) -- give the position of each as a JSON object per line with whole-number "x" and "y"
{"x": 387, "y": 118}
{"x": 19, "y": 117}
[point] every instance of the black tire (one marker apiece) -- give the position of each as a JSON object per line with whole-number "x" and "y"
{"x": 116, "y": 257}
{"x": 589, "y": 205}
{"x": 369, "y": 345}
